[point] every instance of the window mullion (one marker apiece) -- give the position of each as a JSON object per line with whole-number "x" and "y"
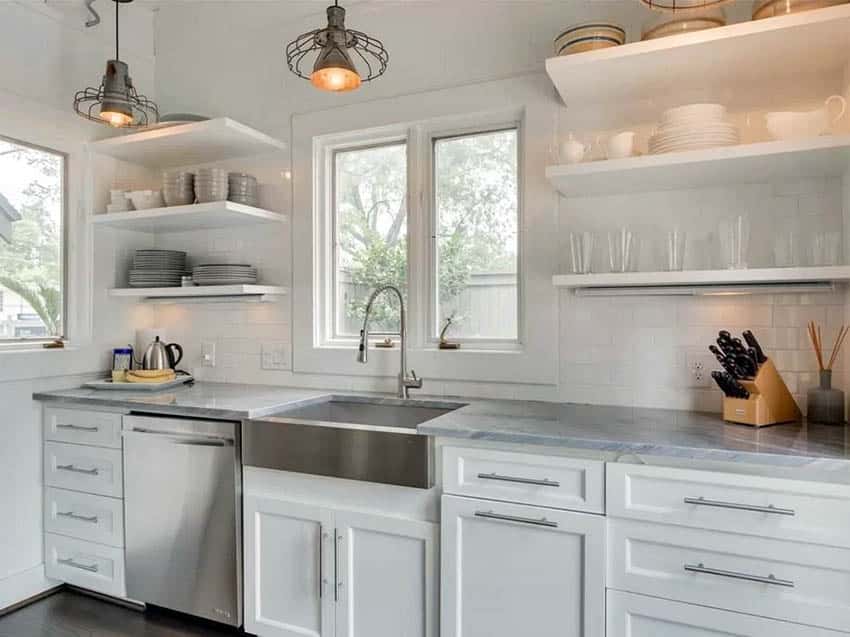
{"x": 418, "y": 237}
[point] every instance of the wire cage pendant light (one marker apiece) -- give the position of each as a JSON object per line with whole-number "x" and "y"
{"x": 334, "y": 68}
{"x": 116, "y": 102}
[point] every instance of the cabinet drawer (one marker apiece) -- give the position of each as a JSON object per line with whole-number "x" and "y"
{"x": 551, "y": 481}
{"x": 98, "y": 428}
{"x": 803, "y": 583}
{"x": 88, "y": 469}
{"x": 94, "y": 518}
{"x": 93, "y": 566}
{"x": 766, "y": 507}
{"x": 639, "y": 616}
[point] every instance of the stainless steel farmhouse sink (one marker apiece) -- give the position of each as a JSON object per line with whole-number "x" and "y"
{"x": 353, "y": 437}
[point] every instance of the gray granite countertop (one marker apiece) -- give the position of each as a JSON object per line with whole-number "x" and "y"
{"x": 660, "y": 432}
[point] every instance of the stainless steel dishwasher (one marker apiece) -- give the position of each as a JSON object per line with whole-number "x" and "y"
{"x": 183, "y": 515}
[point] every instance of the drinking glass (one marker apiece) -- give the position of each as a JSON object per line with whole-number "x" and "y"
{"x": 735, "y": 242}
{"x": 581, "y": 252}
{"x": 676, "y": 240}
{"x": 785, "y": 250}
{"x": 826, "y": 248}
{"x": 622, "y": 250}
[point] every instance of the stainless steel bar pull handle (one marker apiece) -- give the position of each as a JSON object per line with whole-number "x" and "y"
{"x": 773, "y": 510}
{"x": 69, "y": 467}
{"x": 515, "y": 518}
{"x": 760, "y": 579}
{"x": 91, "y": 568}
{"x": 75, "y": 516}
{"x": 544, "y": 482}
{"x": 78, "y": 428}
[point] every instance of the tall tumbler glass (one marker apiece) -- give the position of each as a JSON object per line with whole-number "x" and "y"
{"x": 622, "y": 250}
{"x": 581, "y": 252}
{"x": 735, "y": 242}
{"x": 676, "y": 241}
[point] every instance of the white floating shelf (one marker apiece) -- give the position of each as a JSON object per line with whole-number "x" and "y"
{"x": 705, "y": 278}
{"x": 201, "y": 292}
{"x": 185, "y": 144}
{"x": 778, "y": 51}
{"x": 201, "y": 216}
{"x": 748, "y": 163}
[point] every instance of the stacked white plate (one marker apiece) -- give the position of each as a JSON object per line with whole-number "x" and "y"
{"x": 157, "y": 268}
{"x": 693, "y": 127}
{"x": 224, "y": 274}
{"x": 178, "y": 188}
{"x": 211, "y": 185}
{"x": 242, "y": 188}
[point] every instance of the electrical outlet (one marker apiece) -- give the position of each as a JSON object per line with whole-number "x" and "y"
{"x": 208, "y": 354}
{"x": 275, "y": 356}
{"x": 699, "y": 371}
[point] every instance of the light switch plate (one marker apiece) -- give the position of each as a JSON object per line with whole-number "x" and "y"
{"x": 208, "y": 354}
{"x": 275, "y": 355}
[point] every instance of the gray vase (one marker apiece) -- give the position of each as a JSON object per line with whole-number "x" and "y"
{"x": 826, "y": 405}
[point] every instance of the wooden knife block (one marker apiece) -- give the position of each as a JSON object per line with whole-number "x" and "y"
{"x": 770, "y": 402}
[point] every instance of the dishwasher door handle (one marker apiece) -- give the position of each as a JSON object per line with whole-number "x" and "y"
{"x": 180, "y": 439}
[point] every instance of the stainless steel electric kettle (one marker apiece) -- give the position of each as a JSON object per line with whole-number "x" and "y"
{"x": 158, "y": 355}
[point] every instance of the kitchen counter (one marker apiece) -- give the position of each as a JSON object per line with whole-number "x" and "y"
{"x": 658, "y": 432}
{"x": 217, "y": 401}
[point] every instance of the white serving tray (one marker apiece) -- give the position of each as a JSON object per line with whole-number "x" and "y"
{"x": 107, "y": 384}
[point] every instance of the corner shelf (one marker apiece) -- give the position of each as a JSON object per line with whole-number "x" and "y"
{"x": 207, "y": 292}
{"x": 775, "y": 51}
{"x": 185, "y": 144}
{"x": 201, "y": 216}
{"x": 680, "y": 282}
{"x": 827, "y": 156}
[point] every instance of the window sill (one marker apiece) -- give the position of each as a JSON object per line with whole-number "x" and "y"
{"x": 466, "y": 348}
{"x": 33, "y": 348}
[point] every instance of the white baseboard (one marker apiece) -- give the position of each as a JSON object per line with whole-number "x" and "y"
{"x": 21, "y": 586}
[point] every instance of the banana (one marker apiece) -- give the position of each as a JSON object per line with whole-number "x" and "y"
{"x": 133, "y": 378}
{"x": 151, "y": 373}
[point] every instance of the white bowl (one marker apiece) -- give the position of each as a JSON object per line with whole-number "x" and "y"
{"x": 145, "y": 199}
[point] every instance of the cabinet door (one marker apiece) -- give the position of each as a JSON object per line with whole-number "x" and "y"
{"x": 288, "y": 569}
{"x": 511, "y": 570}
{"x": 386, "y": 577}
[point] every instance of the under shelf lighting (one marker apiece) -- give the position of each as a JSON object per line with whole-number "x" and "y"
{"x": 710, "y": 290}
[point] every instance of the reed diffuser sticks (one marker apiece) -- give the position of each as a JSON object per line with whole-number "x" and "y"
{"x": 817, "y": 344}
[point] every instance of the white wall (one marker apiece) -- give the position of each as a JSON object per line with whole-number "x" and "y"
{"x": 48, "y": 55}
{"x": 632, "y": 352}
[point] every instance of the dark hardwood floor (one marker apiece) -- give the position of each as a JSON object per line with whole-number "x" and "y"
{"x": 72, "y": 614}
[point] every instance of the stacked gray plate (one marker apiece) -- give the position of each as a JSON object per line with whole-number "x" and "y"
{"x": 178, "y": 187}
{"x": 211, "y": 184}
{"x": 224, "y": 274}
{"x": 242, "y": 188}
{"x": 157, "y": 268}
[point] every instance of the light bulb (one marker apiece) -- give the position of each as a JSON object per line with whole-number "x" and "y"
{"x": 335, "y": 79}
{"x": 116, "y": 119}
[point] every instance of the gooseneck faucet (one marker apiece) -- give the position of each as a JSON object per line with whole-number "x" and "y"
{"x": 405, "y": 382}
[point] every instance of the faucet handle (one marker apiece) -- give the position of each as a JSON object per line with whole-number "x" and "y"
{"x": 413, "y": 382}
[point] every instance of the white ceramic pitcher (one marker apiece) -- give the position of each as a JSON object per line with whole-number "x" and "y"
{"x": 801, "y": 124}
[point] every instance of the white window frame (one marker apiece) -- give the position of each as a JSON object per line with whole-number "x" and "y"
{"x": 17, "y": 343}
{"x": 478, "y": 125}
{"x": 527, "y": 100}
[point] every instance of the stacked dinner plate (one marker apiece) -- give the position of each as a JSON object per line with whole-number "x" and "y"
{"x": 157, "y": 268}
{"x": 224, "y": 274}
{"x": 211, "y": 185}
{"x": 242, "y": 188}
{"x": 693, "y": 127}
{"x": 178, "y": 187}
{"x": 588, "y": 37}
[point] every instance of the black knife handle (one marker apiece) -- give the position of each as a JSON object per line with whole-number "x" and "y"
{"x": 752, "y": 341}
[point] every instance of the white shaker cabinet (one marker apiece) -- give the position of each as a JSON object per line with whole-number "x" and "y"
{"x": 510, "y": 570}
{"x": 313, "y": 571}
